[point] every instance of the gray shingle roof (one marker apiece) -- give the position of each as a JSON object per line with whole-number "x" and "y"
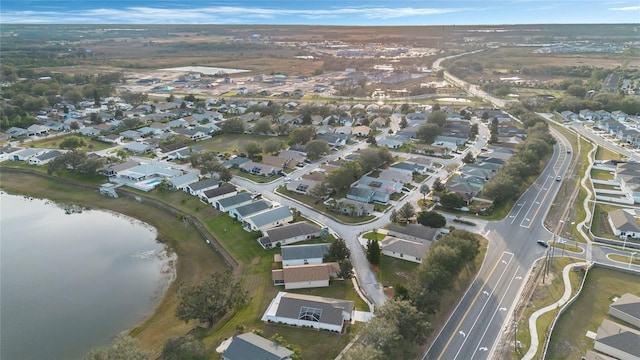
{"x": 414, "y": 230}
{"x": 270, "y": 216}
{"x": 221, "y": 190}
{"x": 252, "y": 208}
{"x": 619, "y": 337}
{"x": 310, "y": 251}
{"x": 290, "y": 231}
{"x": 235, "y": 199}
{"x": 203, "y": 184}
{"x": 250, "y": 346}
{"x": 291, "y": 304}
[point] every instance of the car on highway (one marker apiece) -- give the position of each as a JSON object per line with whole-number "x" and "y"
{"x": 543, "y": 243}
{"x": 558, "y": 178}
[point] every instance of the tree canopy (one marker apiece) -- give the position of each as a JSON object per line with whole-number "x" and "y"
{"x": 211, "y": 299}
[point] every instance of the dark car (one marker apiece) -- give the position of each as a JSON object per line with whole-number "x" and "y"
{"x": 543, "y": 243}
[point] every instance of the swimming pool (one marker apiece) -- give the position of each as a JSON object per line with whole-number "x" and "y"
{"x": 153, "y": 182}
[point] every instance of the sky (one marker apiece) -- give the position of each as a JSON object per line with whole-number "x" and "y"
{"x": 320, "y": 12}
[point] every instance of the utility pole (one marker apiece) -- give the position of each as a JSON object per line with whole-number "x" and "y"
{"x": 515, "y": 335}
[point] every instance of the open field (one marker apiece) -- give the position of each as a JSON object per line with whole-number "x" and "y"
{"x": 569, "y": 340}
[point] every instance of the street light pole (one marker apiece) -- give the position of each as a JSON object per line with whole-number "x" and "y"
{"x": 631, "y": 258}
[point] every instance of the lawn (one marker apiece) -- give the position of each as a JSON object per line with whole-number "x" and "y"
{"x": 321, "y": 207}
{"x": 233, "y": 143}
{"x": 604, "y": 153}
{"x": 588, "y": 311}
{"x": 53, "y": 142}
{"x": 625, "y": 259}
{"x": 545, "y": 293}
{"x": 392, "y": 271}
{"x": 601, "y": 175}
{"x": 374, "y": 236}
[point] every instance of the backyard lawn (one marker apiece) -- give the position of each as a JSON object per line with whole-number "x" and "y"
{"x": 569, "y": 339}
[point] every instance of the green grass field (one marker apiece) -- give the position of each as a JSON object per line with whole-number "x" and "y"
{"x": 569, "y": 340}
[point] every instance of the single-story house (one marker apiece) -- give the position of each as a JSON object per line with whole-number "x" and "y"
{"x": 334, "y": 140}
{"x": 361, "y": 131}
{"x": 240, "y": 212}
{"x": 404, "y": 249}
{"x": 115, "y": 169}
{"x": 353, "y": 207}
{"x": 390, "y": 143}
{"x": 111, "y": 138}
{"x": 624, "y": 223}
{"x": 413, "y": 232}
{"x": 15, "y": 132}
{"x": 26, "y": 154}
{"x": 268, "y": 219}
{"x": 236, "y": 162}
{"x": 131, "y": 135}
{"x": 89, "y": 131}
{"x": 627, "y": 309}
{"x": 138, "y": 147}
{"x": 410, "y": 167}
{"x": 37, "y": 129}
{"x": 289, "y": 234}
{"x": 258, "y": 168}
{"x": 396, "y": 176}
{"x": 179, "y": 182}
{"x": 305, "y": 276}
{"x": 192, "y": 134}
{"x": 55, "y": 125}
{"x": 309, "y": 311}
{"x": 364, "y": 195}
{"x": 147, "y": 171}
{"x": 197, "y": 188}
{"x": 220, "y": 192}
{"x": 45, "y": 158}
{"x": 618, "y": 341}
{"x": 228, "y": 203}
{"x": 251, "y": 346}
{"x": 303, "y": 254}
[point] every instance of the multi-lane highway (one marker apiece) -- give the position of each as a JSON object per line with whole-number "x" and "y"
{"x": 475, "y": 325}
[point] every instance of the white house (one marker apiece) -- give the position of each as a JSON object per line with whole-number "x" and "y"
{"x": 201, "y": 186}
{"x": 404, "y": 249}
{"x": 303, "y": 254}
{"x": 289, "y": 234}
{"x": 305, "y": 276}
{"x": 309, "y": 311}
{"x": 179, "y": 183}
{"x": 624, "y": 223}
{"x": 44, "y": 158}
{"x": 268, "y": 219}
{"x": 240, "y": 212}
{"x": 26, "y": 154}
{"x": 229, "y": 203}
{"x": 618, "y": 341}
{"x": 251, "y": 346}
{"x": 627, "y": 309}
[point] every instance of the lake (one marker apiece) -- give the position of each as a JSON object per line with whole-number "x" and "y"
{"x": 71, "y": 278}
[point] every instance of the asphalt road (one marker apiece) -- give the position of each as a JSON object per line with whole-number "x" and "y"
{"x": 476, "y": 324}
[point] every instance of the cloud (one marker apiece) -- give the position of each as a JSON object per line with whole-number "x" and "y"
{"x": 627, "y": 8}
{"x": 212, "y": 14}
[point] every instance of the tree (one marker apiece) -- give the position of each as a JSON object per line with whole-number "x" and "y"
{"x": 577, "y": 91}
{"x": 346, "y": 269}
{"x": 431, "y": 219}
{"x": 122, "y": 348}
{"x": 233, "y": 126}
{"x": 438, "y": 186}
{"x": 403, "y": 123}
{"x": 262, "y": 127}
{"x": 338, "y": 250}
{"x": 393, "y": 217}
{"x": 406, "y": 211}
{"x": 364, "y": 352}
{"x": 494, "y": 131}
{"x": 428, "y": 132}
{"x": 451, "y": 201}
{"x": 465, "y": 242}
{"x": 424, "y": 190}
{"x": 371, "y": 139}
{"x": 319, "y": 190}
{"x": 373, "y": 252}
{"x": 469, "y": 158}
{"x": 411, "y": 323}
{"x": 74, "y": 125}
{"x": 315, "y": 148}
{"x": 96, "y": 98}
{"x": 473, "y": 132}
{"x": 184, "y": 348}
{"x": 272, "y": 146}
{"x": 210, "y": 300}
{"x": 302, "y": 135}
{"x": 437, "y": 117}
{"x": 72, "y": 143}
{"x": 95, "y": 119}
{"x": 122, "y": 154}
{"x": 252, "y": 149}
{"x": 435, "y": 107}
{"x": 71, "y": 160}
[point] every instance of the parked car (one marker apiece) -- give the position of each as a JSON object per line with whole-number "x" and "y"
{"x": 543, "y": 243}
